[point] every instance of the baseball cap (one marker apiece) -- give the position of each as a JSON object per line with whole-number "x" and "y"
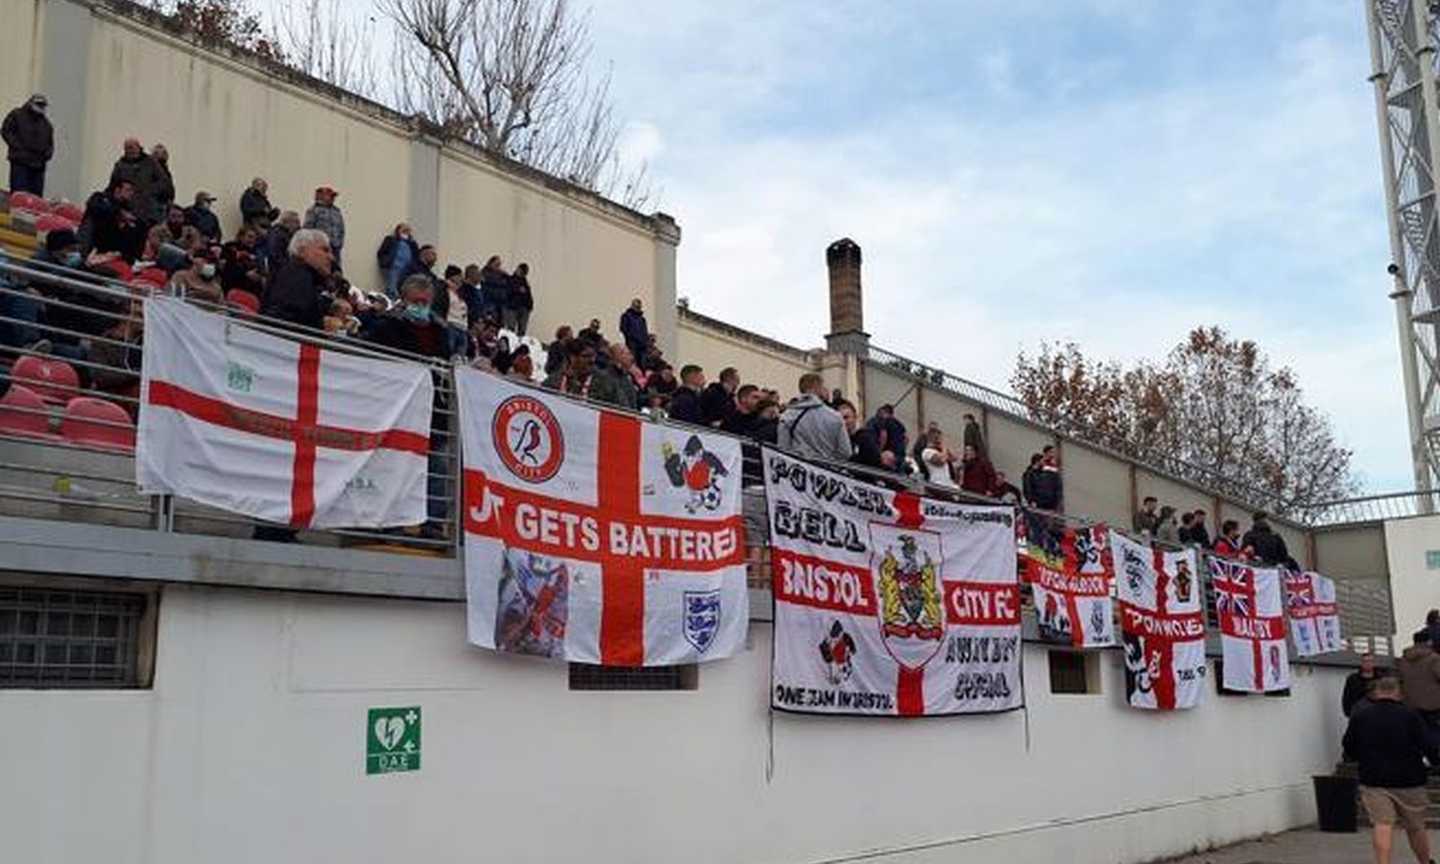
{"x": 39, "y": 100}
{"x": 204, "y": 196}
{"x": 326, "y": 190}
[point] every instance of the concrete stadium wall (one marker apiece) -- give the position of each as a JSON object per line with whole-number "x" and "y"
{"x": 713, "y": 345}
{"x": 1352, "y": 550}
{"x": 1414, "y": 587}
{"x": 250, "y": 748}
{"x": 17, "y": 52}
{"x": 226, "y": 119}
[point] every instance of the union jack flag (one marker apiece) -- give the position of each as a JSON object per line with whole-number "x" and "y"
{"x": 1232, "y": 585}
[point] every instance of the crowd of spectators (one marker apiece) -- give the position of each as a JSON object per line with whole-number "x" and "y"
{"x": 1261, "y": 544}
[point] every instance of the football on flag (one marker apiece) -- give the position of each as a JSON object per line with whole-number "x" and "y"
{"x": 1162, "y": 621}
{"x": 596, "y": 537}
{"x": 272, "y": 428}
{"x": 887, "y": 603}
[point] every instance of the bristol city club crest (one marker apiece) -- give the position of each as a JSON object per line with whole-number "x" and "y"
{"x": 702, "y": 618}
{"x": 912, "y": 623}
{"x": 697, "y": 471}
{"x": 837, "y": 651}
{"x": 528, "y": 438}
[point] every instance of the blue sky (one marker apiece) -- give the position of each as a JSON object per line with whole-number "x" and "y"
{"x": 1113, "y": 172}
{"x": 1109, "y": 172}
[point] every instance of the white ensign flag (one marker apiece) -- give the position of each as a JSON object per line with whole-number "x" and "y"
{"x": 275, "y": 429}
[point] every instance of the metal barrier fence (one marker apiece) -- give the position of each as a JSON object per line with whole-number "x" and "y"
{"x": 96, "y": 326}
{"x": 1373, "y": 508}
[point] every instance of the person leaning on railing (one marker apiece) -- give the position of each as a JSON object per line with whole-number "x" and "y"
{"x": 297, "y": 294}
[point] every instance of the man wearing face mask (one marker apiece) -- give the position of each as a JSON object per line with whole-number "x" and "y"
{"x": 411, "y": 326}
{"x": 198, "y": 282}
{"x": 30, "y": 140}
{"x": 25, "y": 312}
{"x": 297, "y": 293}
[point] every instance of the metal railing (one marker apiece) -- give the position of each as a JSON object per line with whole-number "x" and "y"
{"x": 51, "y": 477}
{"x": 1373, "y": 508}
{"x": 1118, "y": 445}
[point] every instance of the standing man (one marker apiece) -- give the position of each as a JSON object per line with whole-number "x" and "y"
{"x": 325, "y": 216}
{"x": 165, "y": 192}
{"x": 255, "y": 207}
{"x": 864, "y": 450}
{"x": 203, "y": 218}
{"x": 973, "y": 436}
{"x": 1047, "y": 486}
{"x": 890, "y": 436}
{"x": 1419, "y": 669}
{"x": 810, "y": 428}
{"x": 31, "y": 142}
{"x": 685, "y": 402}
{"x": 717, "y": 403}
{"x": 140, "y": 170}
{"x": 295, "y": 293}
{"x": 1147, "y": 520}
{"x": 1391, "y": 744}
{"x": 1357, "y": 685}
{"x": 635, "y": 330}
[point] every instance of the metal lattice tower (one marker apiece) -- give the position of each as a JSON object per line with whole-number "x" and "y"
{"x": 1404, "y": 56}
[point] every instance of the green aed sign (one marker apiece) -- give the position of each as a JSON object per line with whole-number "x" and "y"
{"x": 392, "y": 740}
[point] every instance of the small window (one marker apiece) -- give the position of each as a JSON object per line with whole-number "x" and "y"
{"x": 1074, "y": 672}
{"x": 1432, "y": 559}
{"x": 73, "y": 639}
{"x": 584, "y": 676}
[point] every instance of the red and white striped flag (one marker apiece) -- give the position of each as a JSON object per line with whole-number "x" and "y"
{"x": 596, "y": 537}
{"x": 1252, "y": 626}
{"x": 1162, "y": 622}
{"x": 257, "y": 424}
{"x": 1314, "y": 615}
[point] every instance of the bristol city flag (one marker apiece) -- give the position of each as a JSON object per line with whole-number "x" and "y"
{"x": 887, "y": 603}
{"x": 596, "y": 537}
{"x": 1162, "y": 623}
{"x": 275, "y": 429}
{"x": 1314, "y": 617}
{"x": 1252, "y": 626}
{"x": 1070, "y": 571}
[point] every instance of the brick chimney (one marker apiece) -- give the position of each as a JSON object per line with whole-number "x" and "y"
{"x": 847, "y": 314}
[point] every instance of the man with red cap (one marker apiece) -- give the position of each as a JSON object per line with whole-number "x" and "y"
{"x": 325, "y": 216}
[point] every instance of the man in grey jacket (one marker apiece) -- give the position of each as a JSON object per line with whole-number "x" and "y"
{"x": 810, "y": 428}
{"x": 325, "y": 216}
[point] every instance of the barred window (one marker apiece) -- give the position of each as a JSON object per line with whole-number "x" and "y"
{"x": 70, "y": 639}
{"x": 584, "y": 676}
{"x": 1073, "y": 672}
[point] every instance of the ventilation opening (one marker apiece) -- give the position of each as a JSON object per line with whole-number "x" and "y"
{"x": 584, "y": 676}
{"x": 1074, "y": 672}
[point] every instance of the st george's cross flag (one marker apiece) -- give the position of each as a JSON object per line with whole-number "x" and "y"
{"x": 1251, "y": 610}
{"x": 594, "y": 536}
{"x": 886, "y": 603}
{"x": 1314, "y": 616}
{"x": 1162, "y": 623}
{"x": 251, "y": 422}
{"x": 1071, "y": 575}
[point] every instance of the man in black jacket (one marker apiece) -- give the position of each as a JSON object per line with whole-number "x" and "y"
{"x": 1357, "y": 685}
{"x": 717, "y": 403}
{"x": 203, "y": 218}
{"x": 1268, "y": 547}
{"x": 109, "y": 225}
{"x": 1391, "y": 744}
{"x": 1046, "y": 486}
{"x": 685, "y": 402}
{"x": 30, "y": 140}
{"x": 296, "y": 294}
{"x": 866, "y": 451}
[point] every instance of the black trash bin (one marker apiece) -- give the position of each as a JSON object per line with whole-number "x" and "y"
{"x": 1335, "y": 802}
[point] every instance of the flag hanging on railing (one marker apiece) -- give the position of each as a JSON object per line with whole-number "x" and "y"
{"x": 1314, "y": 616}
{"x": 1162, "y": 622}
{"x": 887, "y": 603}
{"x": 1071, "y": 575}
{"x": 596, "y": 537}
{"x": 1251, "y": 612}
{"x": 280, "y": 430}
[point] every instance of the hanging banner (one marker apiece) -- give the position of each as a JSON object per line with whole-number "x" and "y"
{"x": 1314, "y": 616}
{"x": 1071, "y": 574}
{"x": 1162, "y": 623}
{"x": 595, "y": 537}
{"x": 1252, "y": 626}
{"x": 888, "y": 603}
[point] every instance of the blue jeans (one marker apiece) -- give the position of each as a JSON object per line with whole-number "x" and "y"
{"x": 27, "y": 313}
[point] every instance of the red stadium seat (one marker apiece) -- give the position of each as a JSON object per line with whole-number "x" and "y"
{"x": 149, "y": 280}
{"x": 28, "y": 202}
{"x": 243, "y": 300}
{"x": 55, "y": 380}
{"x": 51, "y": 222}
{"x": 97, "y": 423}
{"x": 69, "y": 210}
{"x": 23, "y": 412}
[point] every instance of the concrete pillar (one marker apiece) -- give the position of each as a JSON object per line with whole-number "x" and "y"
{"x": 63, "y": 75}
{"x": 423, "y": 206}
{"x": 662, "y": 315}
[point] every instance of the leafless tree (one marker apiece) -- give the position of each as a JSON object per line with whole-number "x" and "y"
{"x": 511, "y": 76}
{"x": 323, "y": 40}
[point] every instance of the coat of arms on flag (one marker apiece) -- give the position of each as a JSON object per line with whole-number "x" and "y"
{"x": 290, "y": 432}
{"x": 596, "y": 537}
{"x": 1071, "y": 574}
{"x": 886, "y": 603}
{"x": 1314, "y": 616}
{"x": 1252, "y": 626}
{"x": 1162, "y": 624}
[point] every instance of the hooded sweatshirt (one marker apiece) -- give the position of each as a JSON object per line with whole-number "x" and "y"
{"x": 813, "y": 430}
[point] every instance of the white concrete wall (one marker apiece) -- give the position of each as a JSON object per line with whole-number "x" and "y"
{"x": 251, "y": 745}
{"x": 714, "y": 348}
{"x": 1413, "y": 589}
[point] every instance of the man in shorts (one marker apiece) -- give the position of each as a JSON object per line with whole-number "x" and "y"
{"x": 1391, "y": 743}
